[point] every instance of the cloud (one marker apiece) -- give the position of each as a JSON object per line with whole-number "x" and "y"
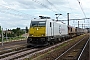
{"x": 18, "y": 13}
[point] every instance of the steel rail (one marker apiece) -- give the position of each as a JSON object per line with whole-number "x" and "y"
{"x": 68, "y": 49}
{"x": 83, "y": 49}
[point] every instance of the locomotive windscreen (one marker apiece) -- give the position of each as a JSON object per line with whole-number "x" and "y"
{"x": 38, "y": 24}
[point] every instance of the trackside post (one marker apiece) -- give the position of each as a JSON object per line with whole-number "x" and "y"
{"x": 2, "y": 36}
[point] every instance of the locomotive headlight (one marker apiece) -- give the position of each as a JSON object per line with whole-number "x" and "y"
{"x": 43, "y": 34}
{"x": 31, "y": 34}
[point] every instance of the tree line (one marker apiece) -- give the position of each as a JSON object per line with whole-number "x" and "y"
{"x": 14, "y": 32}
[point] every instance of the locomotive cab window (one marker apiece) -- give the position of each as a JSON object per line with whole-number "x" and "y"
{"x": 50, "y": 24}
{"x": 38, "y": 24}
{"x": 41, "y": 24}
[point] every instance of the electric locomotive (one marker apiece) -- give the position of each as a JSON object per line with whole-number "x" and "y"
{"x": 45, "y": 31}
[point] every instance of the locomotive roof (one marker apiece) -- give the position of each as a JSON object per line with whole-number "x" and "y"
{"x": 38, "y": 20}
{"x": 52, "y": 20}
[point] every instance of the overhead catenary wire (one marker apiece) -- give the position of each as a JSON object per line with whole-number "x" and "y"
{"x": 43, "y": 5}
{"x": 55, "y": 8}
{"x": 19, "y": 13}
{"x": 53, "y": 5}
{"x": 73, "y": 12}
{"x": 70, "y": 8}
{"x": 58, "y": 9}
{"x": 9, "y": 13}
{"x": 81, "y": 9}
{"x": 8, "y": 8}
{"x": 69, "y": 5}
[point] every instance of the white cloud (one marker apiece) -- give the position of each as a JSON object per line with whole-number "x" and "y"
{"x": 18, "y": 13}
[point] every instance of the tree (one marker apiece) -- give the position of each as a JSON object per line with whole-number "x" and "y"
{"x": 17, "y": 32}
{"x": 0, "y": 30}
{"x": 26, "y": 29}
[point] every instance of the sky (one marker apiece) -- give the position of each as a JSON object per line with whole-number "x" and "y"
{"x": 19, "y": 13}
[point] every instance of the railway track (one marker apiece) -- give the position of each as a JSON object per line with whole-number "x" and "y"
{"x": 9, "y": 44}
{"x": 18, "y": 54}
{"x": 74, "y": 52}
{"x": 12, "y": 53}
{"x": 39, "y": 55}
{"x": 10, "y": 49}
{"x": 22, "y": 53}
{"x": 80, "y": 56}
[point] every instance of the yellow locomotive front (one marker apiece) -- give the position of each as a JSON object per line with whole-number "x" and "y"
{"x": 37, "y": 33}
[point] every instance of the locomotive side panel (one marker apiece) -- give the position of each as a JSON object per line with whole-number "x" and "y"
{"x": 60, "y": 29}
{"x": 49, "y": 28}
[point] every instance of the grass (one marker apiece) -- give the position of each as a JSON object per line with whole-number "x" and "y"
{"x": 12, "y": 39}
{"x": 47, "y": 54}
